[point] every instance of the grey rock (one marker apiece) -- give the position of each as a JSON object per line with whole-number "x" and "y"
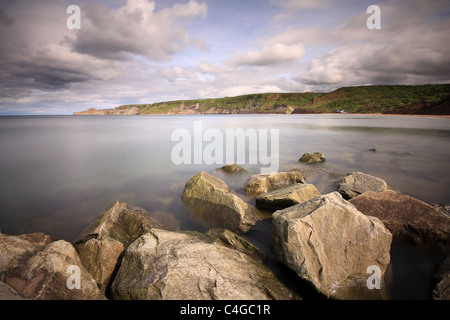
{"x": 262, "y": 183}
{"x": 287, "y": 196}
{"x": 40, "y": 272}
{"x": 166, "y": 265}
{"x": 330, "y": 244}
{"x": 102, "y": 243}
{"x": 212, "y": 204}
{"x": 357, "y": 183}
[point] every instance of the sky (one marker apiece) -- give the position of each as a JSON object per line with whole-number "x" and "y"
{"x": 143, "y": 51}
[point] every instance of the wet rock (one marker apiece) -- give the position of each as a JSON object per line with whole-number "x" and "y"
{"x": 262, "y": 183}
{"x": 39, "y": 270}
{"x": 232, "y": 168}
{"x": 444, "y": 208}
{"x": 357, "y": 183}
{"x": 442, "y": 289}
{"x": 102, "y": 243}
{"x": 316, "y": 157}
{"x": 287, "y": 196}
{"x": 8, "y": 293}
{"x": 330, "y": 244}
{"x": 166, "y": 265}
{"x": 212, "y": 203}
{"x": 237, "y": 242}
{"x": 406, "y": 217}
{"x": 13, "y": 248}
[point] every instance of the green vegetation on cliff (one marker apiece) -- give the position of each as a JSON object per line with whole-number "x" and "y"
{"x": 402, "y": 99}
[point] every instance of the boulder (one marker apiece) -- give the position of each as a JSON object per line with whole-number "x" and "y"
{"x": 406, "y": 217}
{"x": 167, "y": 265}
{"x": 330, "y": 244}
{"x": 357, "y": 183}
{"x": 211, "y": 203}
{"x": 232, "y": 168}
{"x": 316, "y": 157}
{"x": 102, "y": 243}
{"x": 13, "y": 248}
{"x": 287, "y": 196}
{"x": 442, "y": 289}
{"x": 38, "y": 270}
{"x": 262, "y": 183}
{"x": 444, "y": 208}
{"x": 237, "y": 242}
{"x": 8, "y": 293}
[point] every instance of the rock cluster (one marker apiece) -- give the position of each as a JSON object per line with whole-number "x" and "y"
{"x": 331, "y": 241}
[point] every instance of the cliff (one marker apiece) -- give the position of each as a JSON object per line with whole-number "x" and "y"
{"x": 423, "y": 99}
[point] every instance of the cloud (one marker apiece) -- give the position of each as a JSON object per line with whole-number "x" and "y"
{"x": 277, "y": 53}
{"x": 302, "y": 4}
{"x": 40, "y": 55}
{"x": 409, "y": 49}
{"x": 136, "y": 28}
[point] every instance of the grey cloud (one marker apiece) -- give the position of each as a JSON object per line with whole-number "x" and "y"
{"x": 40, "y": 54}
{"x": 5, "y": 19}
{"x": 136, "y": 28}
{"x": 409, "y": 49}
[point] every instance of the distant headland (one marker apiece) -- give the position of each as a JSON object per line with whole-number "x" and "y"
{"x": 430, "y": 99}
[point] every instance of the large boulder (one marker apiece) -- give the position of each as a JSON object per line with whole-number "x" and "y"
{"x": 102, "y": 243}
{"x": 39, "y": 269}
{"x": 14, "y": 248}
{"x": 237, "y": 242}
{"x": 287, "y": 196}
{"x": 406, "y": 217}
{"x": 167, "y": 265}
{"x": 212, "y": 203}
{"x": 262, "y": 183}
{"x": 316, "y": 157}
{"x": 330, "y": 244}
{"x": 8, "y": 293}
{"x": 357, "y": 183}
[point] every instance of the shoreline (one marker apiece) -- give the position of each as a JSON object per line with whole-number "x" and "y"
{"x": 393, "y": 114}
{"x": 288, "y": 114}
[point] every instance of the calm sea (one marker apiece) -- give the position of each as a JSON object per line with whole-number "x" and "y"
{"x": 58, "y": 173}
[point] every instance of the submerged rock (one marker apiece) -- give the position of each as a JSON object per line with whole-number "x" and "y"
{"x": 166, "y": 265}
{"x": 38, "y": 269}
{"x": 406, "y": 217}
{"x": 316, "y": 157}
{"x": 102, "y": 243}
{"x": 287, "y": 196}
{"x": 262, "y": 183}
{"x": 232, "y": 168}
{"x": 330, "y": 244}
{"x": 357, "y": 183}
{"x": 211, "y": 203}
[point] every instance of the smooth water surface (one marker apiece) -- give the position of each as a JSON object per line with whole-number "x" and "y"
{"x": 58, "y": 173}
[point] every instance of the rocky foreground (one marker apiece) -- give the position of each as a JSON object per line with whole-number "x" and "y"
{"x": 329, "y": 241}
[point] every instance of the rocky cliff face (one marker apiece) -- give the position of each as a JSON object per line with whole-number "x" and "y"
{"x": 109, "y": 112}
